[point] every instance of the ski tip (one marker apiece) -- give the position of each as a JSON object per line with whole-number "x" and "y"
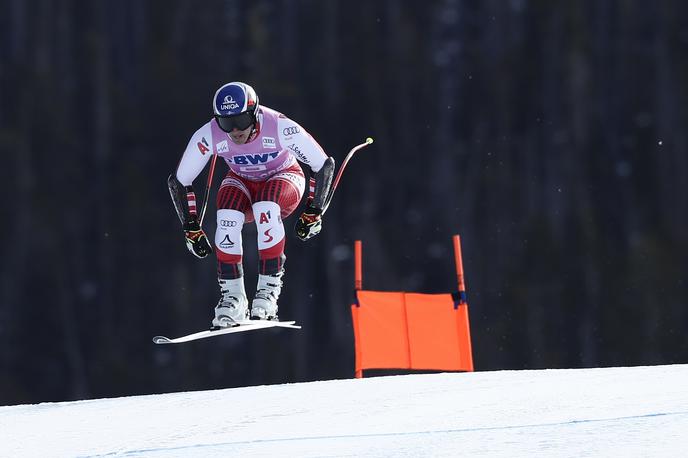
{"x": 161, "y": 340}
{"x": 369, "y": 140}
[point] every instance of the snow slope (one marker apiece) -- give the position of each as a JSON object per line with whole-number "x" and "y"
{"x": 625, "y": 412}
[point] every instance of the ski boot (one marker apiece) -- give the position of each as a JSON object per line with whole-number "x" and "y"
{"x": 264, "y": 305}
{"x": 233, "y": 305}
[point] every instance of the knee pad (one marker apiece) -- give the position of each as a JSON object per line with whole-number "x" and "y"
{"x": 228, "y": 235}
{"x": 270, "y": 227}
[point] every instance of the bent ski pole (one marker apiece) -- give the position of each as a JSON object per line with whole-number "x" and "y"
{"x": 206, "y": 196}
{"x": 367, "y": 142}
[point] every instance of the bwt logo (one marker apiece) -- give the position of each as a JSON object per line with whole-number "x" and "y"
{"x": 229, "y": 103}
{"x": 291, "y": 130}
{"x": 246, "y": 159}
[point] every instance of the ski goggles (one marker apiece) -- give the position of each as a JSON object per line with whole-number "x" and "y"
{"x": 241, "y": 121}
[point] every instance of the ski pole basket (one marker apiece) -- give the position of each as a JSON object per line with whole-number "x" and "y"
{"x": 400, "y": 330}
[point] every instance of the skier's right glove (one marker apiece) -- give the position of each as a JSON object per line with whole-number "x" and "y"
{"x": 196, "y": 240}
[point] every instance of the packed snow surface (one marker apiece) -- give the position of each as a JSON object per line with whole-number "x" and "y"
{"x": 609, "y": 412}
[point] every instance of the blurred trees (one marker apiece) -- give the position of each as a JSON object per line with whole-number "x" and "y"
{"x": 551, "y": 135}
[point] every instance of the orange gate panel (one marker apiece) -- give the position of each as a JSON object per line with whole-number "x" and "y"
{"x": 399, "y": 330}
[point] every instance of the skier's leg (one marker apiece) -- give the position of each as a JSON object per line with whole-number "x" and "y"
{"x": 277, "y": 199}
{"x": 232, "y": 203}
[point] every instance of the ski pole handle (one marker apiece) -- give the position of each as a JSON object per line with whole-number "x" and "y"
{"x": 335, "y": 183}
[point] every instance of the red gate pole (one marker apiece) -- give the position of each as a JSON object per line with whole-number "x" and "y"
{"x": 358, "y": 285}
{"x": 459, "y": 269}
{"x": 358, "y": 282}
{"x": 463, "y": 325}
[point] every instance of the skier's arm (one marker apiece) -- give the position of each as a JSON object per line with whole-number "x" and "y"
{"x": 183, "y": 199}
{"x": 323, "y": 183}
{"x": 308, "y": 151}
{"x": 194, "y": 159}
{"x": 309, "y": 223}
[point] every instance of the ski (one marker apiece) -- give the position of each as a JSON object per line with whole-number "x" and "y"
{"x": 243, "y": 326}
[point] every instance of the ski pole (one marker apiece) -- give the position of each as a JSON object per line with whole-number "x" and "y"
{"x": 206, "y": 196}
{"x": 367, "y": 142}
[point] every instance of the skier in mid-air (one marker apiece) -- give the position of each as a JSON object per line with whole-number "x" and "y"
{"x": 264, "y": 184}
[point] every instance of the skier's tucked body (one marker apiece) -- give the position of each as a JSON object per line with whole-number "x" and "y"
{"x": 264, "y": 184}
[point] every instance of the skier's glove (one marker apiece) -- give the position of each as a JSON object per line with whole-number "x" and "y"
{"x": 196, "y": 240}
{"x": 308, "y": 224}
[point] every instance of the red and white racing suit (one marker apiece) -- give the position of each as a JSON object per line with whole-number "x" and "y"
{"x": 264, "y": 184}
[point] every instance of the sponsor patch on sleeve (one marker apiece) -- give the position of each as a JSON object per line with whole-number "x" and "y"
{"x": 222, "y": 147}
{"x": 203, "y": 146}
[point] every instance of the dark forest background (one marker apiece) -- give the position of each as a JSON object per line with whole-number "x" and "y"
{"x": 551, "y": 135}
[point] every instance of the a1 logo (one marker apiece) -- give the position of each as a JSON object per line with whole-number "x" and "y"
{"x": 203, "y": 146}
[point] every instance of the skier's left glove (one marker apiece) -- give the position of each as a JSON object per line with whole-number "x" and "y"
{"x": 308, "y": 224}
{"x": 196, "y": 240}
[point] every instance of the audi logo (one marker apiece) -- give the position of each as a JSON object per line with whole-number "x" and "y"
{"x": 227, "y": 223}
{"x": 291, "y": 130}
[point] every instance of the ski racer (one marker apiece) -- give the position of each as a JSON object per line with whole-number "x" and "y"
{"x": 265, "y": 184}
